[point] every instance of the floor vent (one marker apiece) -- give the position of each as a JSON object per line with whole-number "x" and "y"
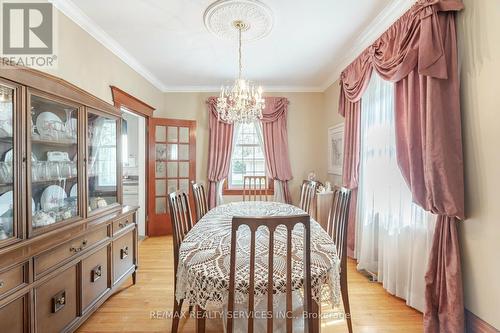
{"x": 372, "y": 277}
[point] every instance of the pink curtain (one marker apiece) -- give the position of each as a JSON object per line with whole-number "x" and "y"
{"x": 275, "y": 133}
{"x": 350, "y": 174}
{"x": 419, "y": 53}
{"x": 220, "y": 145}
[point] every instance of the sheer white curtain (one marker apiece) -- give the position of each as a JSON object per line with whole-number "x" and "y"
{"x": 393, "y": 236}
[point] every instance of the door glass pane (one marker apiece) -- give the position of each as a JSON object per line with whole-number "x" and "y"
{"x": 161, "y": 205}
{"x": 6, "y": 166}
{"x": 184, "y": 152}
{"x": 183, "y": 169}
{"x": 161, "y": 187}
{"x": 161, "y": 151}
{"x": 172, "y": 185}
{"x": 160, "y": 134}
{"x": 172, "y": 170}
{"x": 172, "y": 153}
{"x": 161, "y": 169}
{"x": 184, "y": 185}
{"x": 54, "y": 171}
{"x": 183, "y": 134}
{"x": 172, "y": 134}
{"x": 102, "y": 162}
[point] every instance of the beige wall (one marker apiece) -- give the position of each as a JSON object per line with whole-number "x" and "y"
{"x": 86, "y": 63}
{"x": 479, "y": 45}
{"x": 305, "y": 131}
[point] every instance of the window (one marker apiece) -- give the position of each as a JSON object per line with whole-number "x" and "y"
{"x": 393, "y": 235}
{"x": 248, "y": 155}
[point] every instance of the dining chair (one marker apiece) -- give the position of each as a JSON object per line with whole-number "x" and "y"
{"x": 180, "y": 215}
{"x": 255, "y": 187}
{"x": 308, "y": 193}
{"x": 337, "y": 230}
{"x": 200, "y": 200}
{"x": 311, "y": 324}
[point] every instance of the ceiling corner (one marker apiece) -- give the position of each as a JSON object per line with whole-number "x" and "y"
{"x": 374, "y": 30}
{"x": 68, "y": 8}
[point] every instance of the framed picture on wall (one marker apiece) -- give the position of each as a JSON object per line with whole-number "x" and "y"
{"x": 335, "y": 149}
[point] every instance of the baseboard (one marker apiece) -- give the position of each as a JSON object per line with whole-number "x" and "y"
{"x": 474, "y": 324}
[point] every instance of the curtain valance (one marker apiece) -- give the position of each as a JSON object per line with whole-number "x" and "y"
{"x": 415, "y": 40}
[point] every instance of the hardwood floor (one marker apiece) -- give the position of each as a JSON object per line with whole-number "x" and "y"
{"x": 373, "y": 309}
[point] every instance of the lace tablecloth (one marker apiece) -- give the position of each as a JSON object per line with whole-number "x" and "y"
{"x": 203, "y": 271}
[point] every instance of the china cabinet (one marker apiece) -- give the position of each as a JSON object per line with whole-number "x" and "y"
{"x": 66, "y": 240}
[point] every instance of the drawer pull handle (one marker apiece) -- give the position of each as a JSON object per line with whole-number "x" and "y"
{"x": 96, "y": 273}
{"x": 2, "y": 283}
{"x": 123, "y": 224}
{"x": 80, "y": 248}
{"x": 58, "y": 301}
{"x": 124, "y": 252}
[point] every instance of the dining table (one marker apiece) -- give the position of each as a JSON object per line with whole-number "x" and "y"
{"x": 204, "y": 259}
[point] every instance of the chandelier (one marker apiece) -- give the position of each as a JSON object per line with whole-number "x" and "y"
{"x": 243, "y": 102}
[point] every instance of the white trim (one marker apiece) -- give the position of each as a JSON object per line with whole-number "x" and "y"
{"x": 380, "y": 24}
{"x": 390, "y": 14}
{"x": 68, "y": 8}
{"x": 216, "y": 89}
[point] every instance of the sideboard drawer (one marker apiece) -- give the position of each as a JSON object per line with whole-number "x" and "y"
{"x": 13, "y": 279}
{"x": 123, "y": 255}
{"x": 96, "y": 278}
{"x": 64, "y": 252}
{"x": 56, "y": 302}
{"x": 15, "y": 315}
{"x": 122, "y": 223}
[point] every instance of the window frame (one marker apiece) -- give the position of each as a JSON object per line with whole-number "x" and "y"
{"x": 227, "y": 190}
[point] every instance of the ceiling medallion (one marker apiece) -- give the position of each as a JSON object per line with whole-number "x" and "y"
{"x": 220, "y": 15}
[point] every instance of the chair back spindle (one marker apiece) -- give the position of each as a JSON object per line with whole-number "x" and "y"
{"x": 337, "y": 230}
{"x": 200, "y": 200}
{"x": 308, "y": 194}
{"x": 272, "y": 223}
{"x": 180, "y": 215}
{"x": 255, "y": 188}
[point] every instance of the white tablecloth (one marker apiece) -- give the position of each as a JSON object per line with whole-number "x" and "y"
{"x": 203, "y": 271}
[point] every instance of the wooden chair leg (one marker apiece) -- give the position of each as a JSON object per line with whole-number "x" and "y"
{"x": 316, "y": 320}
{"x": 345, "y": 300}
{"x": 200, "y": 319}
{"x": 176, "y": 315}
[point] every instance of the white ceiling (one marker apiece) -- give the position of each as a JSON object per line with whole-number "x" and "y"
{"x": 167, "y": 42}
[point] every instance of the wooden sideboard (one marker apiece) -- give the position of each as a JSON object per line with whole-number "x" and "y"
{"x": 67, "y": 242}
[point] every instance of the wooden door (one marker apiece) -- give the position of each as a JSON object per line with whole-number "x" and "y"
{"x": 172, "y": 166}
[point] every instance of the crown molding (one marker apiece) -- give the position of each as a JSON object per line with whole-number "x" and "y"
{"x": 68, "y": 8}
{"x": 216, "y": 89}
{"x": 390, "y": 14}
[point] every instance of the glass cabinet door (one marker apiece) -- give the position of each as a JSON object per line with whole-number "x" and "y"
{"x": 54, "y": 167}
{"x": 102, "y": 163}
{"x": 7, "y": 189}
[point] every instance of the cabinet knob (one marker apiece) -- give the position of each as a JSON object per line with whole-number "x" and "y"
{"x": 96, "y": 273}
{"x": 58, "y": 301}
{"x": 123, "y": 224}
{"x": 124, "y": 252}
{"x": 80, "y": 248}
{"x": 2, "y": 283}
